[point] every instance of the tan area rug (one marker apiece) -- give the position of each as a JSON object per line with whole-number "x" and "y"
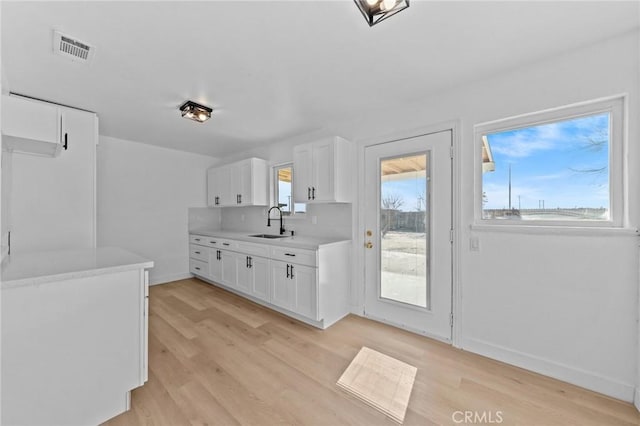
{"x": 381, "y": 381}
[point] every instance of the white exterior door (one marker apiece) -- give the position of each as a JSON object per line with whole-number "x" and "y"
{"x": 408, "y": 223}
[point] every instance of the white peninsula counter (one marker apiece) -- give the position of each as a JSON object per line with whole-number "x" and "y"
{"x": 74, "y": 335}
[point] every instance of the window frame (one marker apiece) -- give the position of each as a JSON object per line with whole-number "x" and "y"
{"x": 616, "y": 106}
{"x": 275, "y": 193}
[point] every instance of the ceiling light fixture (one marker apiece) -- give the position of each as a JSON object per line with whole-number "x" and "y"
{"x": 196, "y": 112}
{"x": 375, "y": 11}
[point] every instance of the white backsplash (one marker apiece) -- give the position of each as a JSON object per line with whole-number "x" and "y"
{"x": 331, "y": 220}
{"x": 204, "y": 218}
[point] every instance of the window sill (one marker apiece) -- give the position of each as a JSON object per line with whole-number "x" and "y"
{"x": 557, "y": 230}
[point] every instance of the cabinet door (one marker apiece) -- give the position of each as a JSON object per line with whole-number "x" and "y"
{"x": 245, "y": 278}
{"x": 306, "y": 294}
{"x": 215, "y": 265}
{"x": 212, "y": 188}
{"x": 282, "y": 286}
{"x": 230, "y": 261}
{"x": 302, "y": 173}
{"x": 241, "y": 182}
{"x": 53, "y": 199}
{"x": 219, "y": 186}
{"x": 322, "y": 171}
{"x": 223, "y": 175}
{"x": 260, "y": 278}
{"x": 30, "y": 126}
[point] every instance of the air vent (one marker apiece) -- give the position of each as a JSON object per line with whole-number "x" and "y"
{"x": 71, "y": 48}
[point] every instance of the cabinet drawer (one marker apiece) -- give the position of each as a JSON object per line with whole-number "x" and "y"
{"x": 294, "y": 255}
{"x": 198, "y": 252}
{"x": 213, "y": 242}
{"x": 198, "y": 267}
{"x": 253, "y": 249}
{"x": 221, "y": 243}
{"x": 198, "y": 239}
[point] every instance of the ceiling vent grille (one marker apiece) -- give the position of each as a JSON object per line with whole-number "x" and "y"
{"x": 71, "y": 48}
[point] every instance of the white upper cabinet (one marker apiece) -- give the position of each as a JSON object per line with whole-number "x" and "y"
{"x": 52, "y": 201}
{"x": 323, "y": 171}
{"x": 32, "y": 127}
{"x": 244, "y": 183}
{"x": 219, "y": 186}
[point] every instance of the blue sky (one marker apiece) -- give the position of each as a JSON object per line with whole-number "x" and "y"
{"x": 409, "y": 190}
{"x": 563, "y": 163}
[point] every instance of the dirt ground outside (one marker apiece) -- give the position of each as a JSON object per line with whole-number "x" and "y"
{"x": 404, "y": 267}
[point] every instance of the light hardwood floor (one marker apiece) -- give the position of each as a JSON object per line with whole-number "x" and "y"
{"x": 217, "y": 359}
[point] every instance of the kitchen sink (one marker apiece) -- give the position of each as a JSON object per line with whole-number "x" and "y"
{"x": 269, "y": 236}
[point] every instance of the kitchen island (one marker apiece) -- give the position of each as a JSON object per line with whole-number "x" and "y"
{"x": 74, "y": 335}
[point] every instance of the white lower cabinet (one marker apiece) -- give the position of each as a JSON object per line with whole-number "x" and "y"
{"x": 310, "y": 285}
{"x": 294, "y": 288}
{"x": 253, "y": 277}
{"x": 306, "y": 291}
{"x": 259, "y": 278}
{"x": 198, "y": 267}
{"x": 244, "y": 276}
{"x": 282, "y": 286}
{"x": 230, "y": 262}
{"x": 215, "y": 265}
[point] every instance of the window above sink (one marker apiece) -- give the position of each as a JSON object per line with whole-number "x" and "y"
{"x": 283, "y": 191}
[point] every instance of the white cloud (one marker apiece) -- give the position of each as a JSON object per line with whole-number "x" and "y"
{"x": 523, "y": 143}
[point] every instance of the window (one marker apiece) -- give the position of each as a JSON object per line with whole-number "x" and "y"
{"x": 283, "y": 190}
{"x": 556, "y": 167}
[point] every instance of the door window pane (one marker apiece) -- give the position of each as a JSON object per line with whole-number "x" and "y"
{"x": 404, "y": 219}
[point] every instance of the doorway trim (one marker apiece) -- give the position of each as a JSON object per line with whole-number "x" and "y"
{"x": 358, "y": 277}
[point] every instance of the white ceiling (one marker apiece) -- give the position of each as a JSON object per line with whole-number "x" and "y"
{"x": 273, "y": 70}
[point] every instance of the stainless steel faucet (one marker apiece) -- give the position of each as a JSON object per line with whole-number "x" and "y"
{"x": 282, "y": 231}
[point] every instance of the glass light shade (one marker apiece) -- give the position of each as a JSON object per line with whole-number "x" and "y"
{"x": 195, "y": 111}
{"x": 375, "y": 11}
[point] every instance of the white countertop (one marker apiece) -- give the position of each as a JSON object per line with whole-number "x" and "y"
{"x": 50, "y": 266}
{"x": 311, "y": 243}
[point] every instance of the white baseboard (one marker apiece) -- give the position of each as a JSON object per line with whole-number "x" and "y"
{"x": 163, "y": 279}
{"x": 636, "y": 400}
{"x": 578, "y": 377}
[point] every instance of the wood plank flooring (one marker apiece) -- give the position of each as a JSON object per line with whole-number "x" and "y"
{"x": 217, "y": 359}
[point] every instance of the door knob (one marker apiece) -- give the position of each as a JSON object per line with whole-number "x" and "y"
{"x": 368, "y": 244}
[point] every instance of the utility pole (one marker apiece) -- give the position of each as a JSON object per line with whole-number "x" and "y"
{"x": 509, "y": 186}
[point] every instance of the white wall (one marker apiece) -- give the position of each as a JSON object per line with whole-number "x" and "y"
{"x": 637, "y": 395}
{"x": 144, "y": 196}
{"x": 560, "y": 303}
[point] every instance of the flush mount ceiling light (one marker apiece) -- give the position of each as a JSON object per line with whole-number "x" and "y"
{"x": 375, "y": 11}
{"x": 195, "y": 111}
